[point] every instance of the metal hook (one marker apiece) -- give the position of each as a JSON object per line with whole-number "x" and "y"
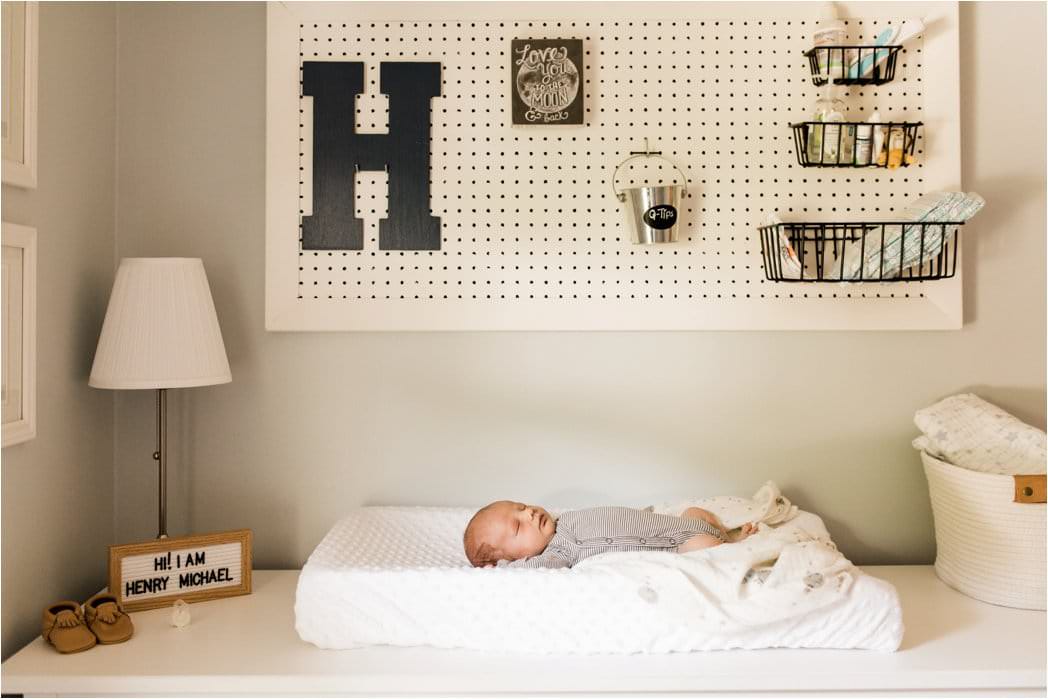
{"x": 646, "y": 150}
{"x": 646, "y": 154}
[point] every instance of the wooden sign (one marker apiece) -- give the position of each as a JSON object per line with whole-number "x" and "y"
{"x": 191, "y": 568}
{"x": 546, "y": 79}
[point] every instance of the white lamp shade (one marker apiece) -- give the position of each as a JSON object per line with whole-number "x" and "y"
{"x": 160, "y": 329}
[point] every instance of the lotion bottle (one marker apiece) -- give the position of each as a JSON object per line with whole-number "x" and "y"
{"x": 824, "y": 141}
{"x": 829, "y": 32}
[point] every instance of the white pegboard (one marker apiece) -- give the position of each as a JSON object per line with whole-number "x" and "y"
{"x": 532, "y": 237}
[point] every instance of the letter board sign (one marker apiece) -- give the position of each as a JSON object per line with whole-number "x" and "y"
{"x": 191, "y": 568}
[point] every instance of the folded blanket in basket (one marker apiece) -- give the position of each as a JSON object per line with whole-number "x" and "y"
{"x": 966, "y": 431}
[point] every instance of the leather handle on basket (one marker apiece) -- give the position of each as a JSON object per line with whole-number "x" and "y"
{"x": 1029, "y": 489}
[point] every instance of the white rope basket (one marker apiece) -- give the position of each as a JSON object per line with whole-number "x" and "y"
{"x": 989, "y": 547}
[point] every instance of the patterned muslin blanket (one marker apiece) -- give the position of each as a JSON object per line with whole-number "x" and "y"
{"x": 966, "y": 431}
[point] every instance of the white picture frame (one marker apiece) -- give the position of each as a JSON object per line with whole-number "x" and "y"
{"x": 18, "y": 390}
{"x": 18, "y": 125}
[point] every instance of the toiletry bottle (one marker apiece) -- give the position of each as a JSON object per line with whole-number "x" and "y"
{"x": 847, "y": 155}
{"x": 896, "y": 140}
{"x": 828, "y": 33}
{"x": 880, "y": 154}
{"x": 864, "y": 145}
{"x": 824, "y": 141}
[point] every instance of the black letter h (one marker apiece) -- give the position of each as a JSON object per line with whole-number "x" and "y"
{"x": 338, "y": 152}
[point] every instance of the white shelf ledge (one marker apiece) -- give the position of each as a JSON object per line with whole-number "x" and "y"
{"x": 954, "y": 646}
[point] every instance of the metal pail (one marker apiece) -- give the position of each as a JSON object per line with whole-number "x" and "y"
{"x": 652, "y": 213}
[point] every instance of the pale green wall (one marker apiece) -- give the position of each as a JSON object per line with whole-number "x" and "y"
{"x": 314, "y": 424}
{"x": 58, "y": 488}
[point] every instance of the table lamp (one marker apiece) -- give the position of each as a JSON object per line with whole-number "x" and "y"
{"x": 160, "y": 332}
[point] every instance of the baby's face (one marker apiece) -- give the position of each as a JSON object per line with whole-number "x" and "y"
{"x": 516, "y": 530}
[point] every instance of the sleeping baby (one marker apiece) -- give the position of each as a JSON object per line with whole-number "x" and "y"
{"x": 516, "y": 535}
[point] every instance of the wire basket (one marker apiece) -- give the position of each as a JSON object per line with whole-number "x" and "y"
{"x": 850, "y": 144}
{"x": 853, "y": 65}
{"x": 890, "y": 251}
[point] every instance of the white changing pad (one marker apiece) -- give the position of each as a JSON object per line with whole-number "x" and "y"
{"x": 398, "y": 576}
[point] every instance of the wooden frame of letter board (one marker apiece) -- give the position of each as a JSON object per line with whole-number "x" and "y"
{"x": 118, "y": 552}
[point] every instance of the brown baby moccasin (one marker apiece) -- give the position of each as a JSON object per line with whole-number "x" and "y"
{"x": 63, "y": 627}
{"x": 107, "y": 619}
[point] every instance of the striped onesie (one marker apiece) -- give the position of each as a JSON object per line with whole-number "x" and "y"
{"x": 584, "y": 533}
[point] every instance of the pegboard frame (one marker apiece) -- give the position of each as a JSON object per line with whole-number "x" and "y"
{"x": 937, "y": 306}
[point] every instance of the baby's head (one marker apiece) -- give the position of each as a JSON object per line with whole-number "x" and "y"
{"x": 506, "y": 530}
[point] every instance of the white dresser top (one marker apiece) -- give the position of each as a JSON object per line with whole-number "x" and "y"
{"x": 248, "y": 645}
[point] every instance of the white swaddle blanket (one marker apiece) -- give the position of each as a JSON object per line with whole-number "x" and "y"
{"x": 746, "y": 595}
{"x": 398, "y": 576}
